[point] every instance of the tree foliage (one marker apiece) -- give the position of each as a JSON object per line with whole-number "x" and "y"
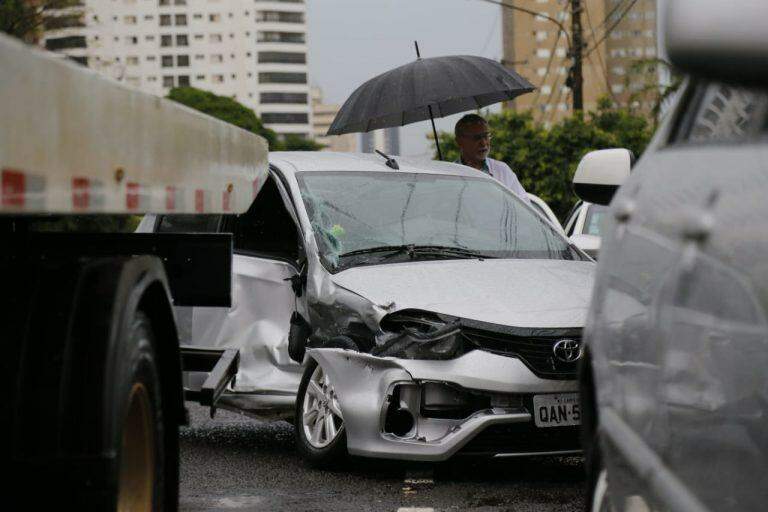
{"x": 25, "y": 18}
{"x": 229, "y": 110}
{"x": 546, "y": 159}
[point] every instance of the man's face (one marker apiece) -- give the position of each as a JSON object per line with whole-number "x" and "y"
{"x": 475, "y": 142}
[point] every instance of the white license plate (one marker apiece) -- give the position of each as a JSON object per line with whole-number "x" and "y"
{"x": 558, "y": 410}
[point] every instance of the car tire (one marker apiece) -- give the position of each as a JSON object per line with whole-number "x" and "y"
{"x": 320, "y": 443}
{"x": 142, "y": 458}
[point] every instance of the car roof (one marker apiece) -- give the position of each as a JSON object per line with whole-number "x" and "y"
{"x": 314, "y": 161}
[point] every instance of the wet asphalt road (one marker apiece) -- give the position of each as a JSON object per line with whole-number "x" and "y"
{"x": 233, "y": 463}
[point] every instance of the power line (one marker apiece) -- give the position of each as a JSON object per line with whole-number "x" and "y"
{"x": 532, "y": 13}
{"x": 608, "y": 15}
{"x": 549, "y": 65}
{"x": 603, "y": 67}
{"x": 610, "y": 29}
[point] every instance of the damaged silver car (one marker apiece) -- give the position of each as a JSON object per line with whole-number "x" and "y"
{"x": 400, "y": 309}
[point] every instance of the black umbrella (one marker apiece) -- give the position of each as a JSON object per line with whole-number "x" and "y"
{"x": 425, "y": 89}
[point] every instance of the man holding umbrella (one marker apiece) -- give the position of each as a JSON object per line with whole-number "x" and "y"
{"x": 473, "y": 137}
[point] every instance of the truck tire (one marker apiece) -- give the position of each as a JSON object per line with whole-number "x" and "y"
{"x": 141, "y": 452}
{"x": 95, "y": 384}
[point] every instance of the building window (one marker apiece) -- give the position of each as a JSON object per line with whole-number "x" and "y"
{"x": 168, "y": 82}
{"x": 280, "y": 16}
{"x": 181, "y": 19}
{"x": 149, "y": 38}
{"x": 83, "y": 61}
{"x": 284, "y": 118}
{"x": 282, "y": 78}
{"x": 129, "y": 20}
{"x": 166, "y": 61}
{"x": 180, "y": 2}
{"x": 215, "y": 38}
{"x": 282, "y": 58}
{"x": 197, "y": 16}
{"x": 62, "y": 43}
{"x": 216, "y": 58}
{"x": 166, "y": 40}
{"x": 183, "y": 80}
{"x": 182, "y": 61}
{"x": 165, "y": 20}
{"x": 164, "y": 2}
{"x": 131, "y": 40}
{"x": 57, "y": 22}
{"x": 149, "y": 17}
{"x": 199, "y": 57}
{"x": 199, "y": 77}
{"x": 198, "y": 37}
{"x": 214, "y": 18}
{"x": 132, "y": 61}
{"x": 151, "y": 58}
{"x": 151, "y": 79}
{"x": 182, "y": 40}
{"x": 217, "y": 79}
{"x": 280, "y": 37}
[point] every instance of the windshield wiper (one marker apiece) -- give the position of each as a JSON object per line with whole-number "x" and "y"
{"x": 413, "y": 250}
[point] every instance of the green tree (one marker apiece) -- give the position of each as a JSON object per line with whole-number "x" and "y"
{"x": 546, "y": 159}
{"x": 25, "y": 18}
{"x": 296, "y": 143}
{"x": 224, "y": 108}
{"x": 229, "y": 110}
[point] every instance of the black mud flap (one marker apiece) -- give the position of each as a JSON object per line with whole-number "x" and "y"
{"x": 297, "y": 337}
{"x": 221, "y": 365}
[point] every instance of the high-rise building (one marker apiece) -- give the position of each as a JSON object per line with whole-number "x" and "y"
{"x": 254, "y": 51}
{"x": 620, "y": 39}
{"x": 386, "y": 140}
{"x": 323, "y": 115}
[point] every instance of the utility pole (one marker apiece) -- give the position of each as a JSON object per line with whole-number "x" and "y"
{"x": 576, "y": 77}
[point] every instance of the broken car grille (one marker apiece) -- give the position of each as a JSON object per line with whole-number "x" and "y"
{"x": 535, "y": 352}
{"x": 522, "y": 438}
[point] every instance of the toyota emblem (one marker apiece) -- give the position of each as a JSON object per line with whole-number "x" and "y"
{"x": 567, "y": 351}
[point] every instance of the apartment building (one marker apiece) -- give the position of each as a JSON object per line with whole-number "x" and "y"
{"x": 620, "y": 38}
{"x": 323, "y": 115}
{"x": 254, "y": 51}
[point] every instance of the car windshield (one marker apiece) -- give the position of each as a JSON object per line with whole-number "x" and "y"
{"x": 377, "y": 217}
{"x": 593, "y": 224}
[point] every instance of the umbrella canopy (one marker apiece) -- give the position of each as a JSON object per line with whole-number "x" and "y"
{"x": 427, "y": 88}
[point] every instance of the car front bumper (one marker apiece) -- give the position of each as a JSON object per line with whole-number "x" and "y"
{"x": 365, "y": 384}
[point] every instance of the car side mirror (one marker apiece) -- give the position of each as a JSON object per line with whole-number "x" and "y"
{"x": 600, "y": 173}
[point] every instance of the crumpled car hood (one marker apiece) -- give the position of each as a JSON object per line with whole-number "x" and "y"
{"x": 520, "y": 293}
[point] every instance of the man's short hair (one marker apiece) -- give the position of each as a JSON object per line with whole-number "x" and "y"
{"x": 468, "y": 120}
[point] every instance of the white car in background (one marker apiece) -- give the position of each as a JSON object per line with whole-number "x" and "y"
{"x": 584, "y": 226}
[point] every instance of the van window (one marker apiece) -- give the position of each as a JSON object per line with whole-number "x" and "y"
{"x": 719, "y": 112}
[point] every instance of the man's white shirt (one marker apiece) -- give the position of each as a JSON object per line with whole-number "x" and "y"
{"x": 503, "y": 174}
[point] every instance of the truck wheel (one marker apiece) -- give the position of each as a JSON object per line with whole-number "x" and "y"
{"x": 320, "y": 436}
{"x": 141, "y": 455}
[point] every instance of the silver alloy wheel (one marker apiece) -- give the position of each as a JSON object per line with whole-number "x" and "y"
{"x": 321, "y": 415}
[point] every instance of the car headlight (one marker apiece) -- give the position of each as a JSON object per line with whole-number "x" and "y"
{"x": 420, "y": 335}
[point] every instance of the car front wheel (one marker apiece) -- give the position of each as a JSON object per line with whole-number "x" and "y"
{"x": 320, "y": 435}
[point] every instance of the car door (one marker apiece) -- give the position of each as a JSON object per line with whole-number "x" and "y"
{"x": 267, "y": 258}
{"x": 712, "y": 322}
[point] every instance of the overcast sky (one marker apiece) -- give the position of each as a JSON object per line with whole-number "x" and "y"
{"x": 351, "y": 41}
